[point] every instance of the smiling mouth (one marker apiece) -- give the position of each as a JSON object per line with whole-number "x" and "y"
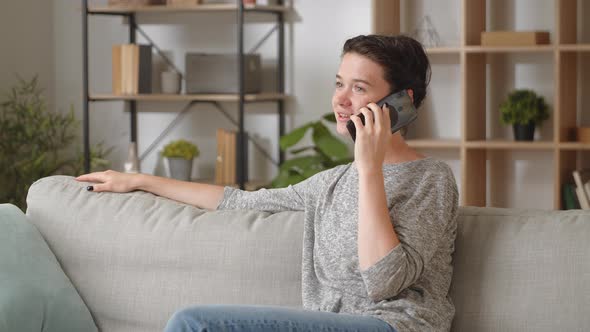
{"x": 343, "y": 116}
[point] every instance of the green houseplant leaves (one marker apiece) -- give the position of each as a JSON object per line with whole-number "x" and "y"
{"x": 181, "y": 149}
{"x": 326, "y": 152}
{"x": 522, "y": 107}
{"x": 34, "y": 142}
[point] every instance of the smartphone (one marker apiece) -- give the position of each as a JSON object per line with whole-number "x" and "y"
{"x": 401, "y": 112}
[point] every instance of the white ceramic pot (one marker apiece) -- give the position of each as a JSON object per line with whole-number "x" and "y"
{"x": 179, "y": 168}
{"x": 170, "y": 82}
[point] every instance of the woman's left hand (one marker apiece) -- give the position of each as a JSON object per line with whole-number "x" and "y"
{"x": 372, "y": 138}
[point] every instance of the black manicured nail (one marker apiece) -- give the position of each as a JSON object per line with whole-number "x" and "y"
{"x": 90, "y": 188}
{"x": 386, "y": 105}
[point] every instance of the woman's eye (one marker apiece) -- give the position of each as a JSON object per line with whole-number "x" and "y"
{"x": 358, "y": 89}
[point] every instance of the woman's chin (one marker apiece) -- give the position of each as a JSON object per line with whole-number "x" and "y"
{"x": 341, "y": 130}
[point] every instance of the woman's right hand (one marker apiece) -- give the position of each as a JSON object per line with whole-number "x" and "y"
{"x": 111, "y": 181}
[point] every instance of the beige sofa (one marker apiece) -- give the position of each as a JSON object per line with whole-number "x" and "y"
{"x": 135, "y": 258}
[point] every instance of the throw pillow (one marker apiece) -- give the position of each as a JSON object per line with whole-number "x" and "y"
{"x": 35, "y": 294}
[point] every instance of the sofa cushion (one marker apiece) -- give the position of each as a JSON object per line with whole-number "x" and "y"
{"x": 136, "y": 257}
{"x": 521, "y": 270}
{"x": 35, "y": 294}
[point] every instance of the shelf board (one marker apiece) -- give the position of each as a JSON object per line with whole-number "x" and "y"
{"x": 574, "y": 146}
{"x": 575, "y": 47}
{"x": 509, "y": 49}
{"x": 181, "y": 8}
{"x": 434, "y": 143}
{"x": 271, "y": 96}
{"x": 443, "y": 50}
{"x": 509, "y": 145}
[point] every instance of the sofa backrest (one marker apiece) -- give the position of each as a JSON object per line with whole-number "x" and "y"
{"x": 521, "y": 270}
{"x": 136, "y": 258}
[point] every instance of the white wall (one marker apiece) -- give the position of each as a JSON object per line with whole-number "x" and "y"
{"x": 26, "y": 36}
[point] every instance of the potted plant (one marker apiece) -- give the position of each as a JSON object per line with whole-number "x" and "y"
{"x": 37, "y": 141}
{"x": 524, "y": 109}
{"x": 179, "y": 158}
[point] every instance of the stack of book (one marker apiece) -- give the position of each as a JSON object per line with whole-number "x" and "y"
{"x": 229, "y": 157}
{"x": 132, "y": 69}
{"x": 577, "y": 195}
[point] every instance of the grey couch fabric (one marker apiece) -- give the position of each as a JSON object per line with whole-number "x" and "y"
{"x": 136, "y": 258}
{"x": 522, "y": 270}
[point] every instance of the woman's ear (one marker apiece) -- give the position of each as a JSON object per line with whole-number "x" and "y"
{"x": 411, "y": 94}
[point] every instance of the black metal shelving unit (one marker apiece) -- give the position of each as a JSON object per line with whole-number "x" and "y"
{"x": 131, "y": 12}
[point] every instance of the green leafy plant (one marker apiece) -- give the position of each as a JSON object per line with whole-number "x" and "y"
{"x": 181, "y": 149}
{"x": 34, "y": 142}
{"x": 98, "y": 161}
{"x": 522, "y": 107}
{"x": 326, "y": 152}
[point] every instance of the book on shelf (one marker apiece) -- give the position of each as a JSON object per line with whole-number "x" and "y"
{"x": 514, "y": 38}
{"x": 569, "y": 197}
{"x": 582, "y": 180}
{"x": 131, "y": 69}
{"x": 228, "y": 156}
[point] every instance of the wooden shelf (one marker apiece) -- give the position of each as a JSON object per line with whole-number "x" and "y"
{"x": 496, "y": 145}
{"x": 575, "y": 47}
{"x": 509, "y": 145}
{"x": 444, "y": 50}
{"x": 190, "y": 97}
{"x": 477, "y": 185}
{"x": 181, "y": 8}
{"x": 434, "y": 143}
{"x": 576, "y": 146}
{"x": 509, "y": 49}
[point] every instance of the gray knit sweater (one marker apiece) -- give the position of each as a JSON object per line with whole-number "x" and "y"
{"x": 408, "y": 288}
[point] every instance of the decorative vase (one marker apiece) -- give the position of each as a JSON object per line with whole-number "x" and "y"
{"x": 132, "y": 163}
{"x": 524, "y": 132}
{"x": 170, "y": 82}
{"x": 179, "y": 168}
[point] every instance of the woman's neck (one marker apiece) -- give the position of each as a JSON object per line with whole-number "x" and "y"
{"x": 399, "y": 151}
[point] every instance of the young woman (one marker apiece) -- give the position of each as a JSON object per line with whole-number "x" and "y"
{"x": 378, "y": 233}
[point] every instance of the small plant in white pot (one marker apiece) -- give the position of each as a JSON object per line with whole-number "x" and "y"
{"x": 179, "y": 158}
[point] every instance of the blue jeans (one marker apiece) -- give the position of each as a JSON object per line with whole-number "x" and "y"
{"x": 250, "y": 318}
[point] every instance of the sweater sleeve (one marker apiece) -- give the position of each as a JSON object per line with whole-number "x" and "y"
{"x": 423, "y": 223}
{"x": 291, "y": 198}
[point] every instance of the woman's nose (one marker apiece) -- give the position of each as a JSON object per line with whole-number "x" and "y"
{"x": 342, "y": 98}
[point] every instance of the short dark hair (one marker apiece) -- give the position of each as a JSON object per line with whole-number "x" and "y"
{"x": 404, "y": 62}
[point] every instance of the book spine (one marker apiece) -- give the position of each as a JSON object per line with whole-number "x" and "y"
{"x": 145, "y": 69}
{"x": 570, "y": 200}
{"x": 116, "y": 68}
{"x": 219, "y": 161}
{"x": 126, "y": 70}
{"x": 134, "y": 69}
{"x": 580, "y": 191}
{"x": 226, "y": 159}
{"x": 242, "y": 154}
{"x": 232, "y": 157}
